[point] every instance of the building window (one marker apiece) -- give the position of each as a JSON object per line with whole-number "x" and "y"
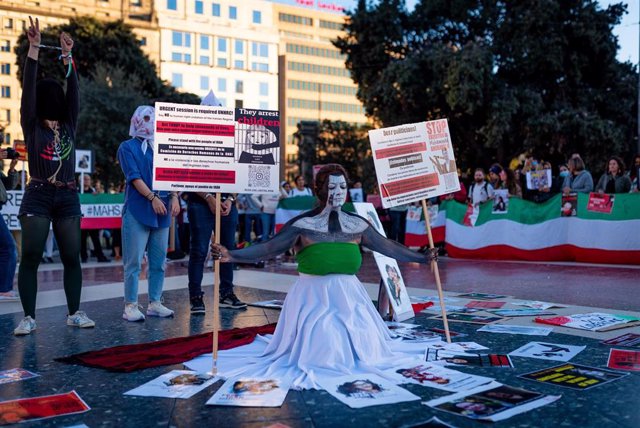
{"x": 260, "y": 49}
{"x": 8, "y": 23}
{"x": 5, "y": 68}
{"x": 233, "y": 12}
{"x": 204, "y": 83}
{"x": 239, "y": 47}
{"x": 172, "y": 4}
{"x": 181, "y": 39}
{"x": 264, "y": 105}
{"x": 7, "y": 138}
{"x": 222, "y": 62}
{"x": 239, "y": 87}
{"x": 257, "y": 17}
{"x": 6, "y": 92}
{"x": 5, "y": 46}
{"x": 204, "y": 42}
{"x": 199, "y": 7}
{"x": 176, "y": 80}
{"x": 222, "y": 85}
{"x": 309, "y": 50}
{"x": 295, "y": 19}
{"x": 260, "y": 66}
{"x": 239, "y": 104}
{"x": 223, "y": 102}
{"x": 331, "y": 25}
{"x": 181, "y": 57}
{"x": 7, "y": 115}
{"x": 215, "y": 9}
{"x": 264, "y": 89}
{"x": 222, "y": 44}
{"x": 143, "y": 41}
{"x": 239, "y": 64}
{"x": 204, "y": 60}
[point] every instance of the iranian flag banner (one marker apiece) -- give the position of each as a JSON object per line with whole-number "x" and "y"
{"x": 537, "y": 232}
{"x": 101, "y": 210}
{"x": 289, "y": 208}
{"x": 416, "y": 232}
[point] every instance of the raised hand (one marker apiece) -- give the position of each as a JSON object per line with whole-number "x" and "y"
{"x": 33, "y": 32}
{"x": 66, "y": 43}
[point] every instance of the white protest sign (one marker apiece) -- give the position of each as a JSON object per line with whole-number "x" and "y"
{"x": 389, "y": 269}
{"x": 414, "y": 162}
{"x": 84, "y": 161}
{"x": 11, "y": 209}
{"x": 206, "y": 148}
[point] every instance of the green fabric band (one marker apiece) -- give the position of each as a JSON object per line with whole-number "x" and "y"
{"x": 325, "y": 258}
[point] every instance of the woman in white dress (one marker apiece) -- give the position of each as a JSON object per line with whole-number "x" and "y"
{"x": 328, "y": 325}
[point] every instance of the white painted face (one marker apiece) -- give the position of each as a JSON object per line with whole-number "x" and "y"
{"x": 337, "y": 191}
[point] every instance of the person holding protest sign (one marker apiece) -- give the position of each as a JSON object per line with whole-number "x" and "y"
{"x": 8, "y": 251}
{"x": 145, "y": 219}
{"x": 328, "y": 324}
{"x": 202, "y": 219}
{"x": 49, "y": 117}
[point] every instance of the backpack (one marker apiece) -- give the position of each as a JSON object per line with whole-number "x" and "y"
{"x": 473, "y": 185}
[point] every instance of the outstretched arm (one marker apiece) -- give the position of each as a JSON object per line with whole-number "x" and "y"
{"x": 66, "y": 43}
{"x": 376, "y": 242}
{"x": 28, "y": 102}
{"x": 277, "y": 245}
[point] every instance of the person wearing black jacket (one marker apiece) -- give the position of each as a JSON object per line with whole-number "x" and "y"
{"x": 49, "y": 118}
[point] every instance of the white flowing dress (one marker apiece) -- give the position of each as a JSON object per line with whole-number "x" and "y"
{"x": 328, "y": 328}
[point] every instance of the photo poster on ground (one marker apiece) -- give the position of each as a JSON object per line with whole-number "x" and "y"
{"x": 392, "y": 281}
{"x": 414, "y": 162}
{"x": 84, "y": 161}
{"x": 216, "y": 149}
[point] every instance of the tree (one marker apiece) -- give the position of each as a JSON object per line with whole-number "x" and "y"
{"x": 115, "y": 77}
{"x": 108, "y": 100}
{"x": 342, "y": 143}
{"x": 510, "y": 76}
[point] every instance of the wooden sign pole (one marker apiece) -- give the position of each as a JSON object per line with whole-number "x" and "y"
{"x": 172, "y": 235}
{"x": 216, "y": 291}
{"x": 436, "y": 272}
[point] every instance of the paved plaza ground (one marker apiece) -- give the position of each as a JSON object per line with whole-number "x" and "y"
{"x": 611, "y": 288}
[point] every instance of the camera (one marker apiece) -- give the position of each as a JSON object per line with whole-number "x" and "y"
{"x": 12, "y": 154}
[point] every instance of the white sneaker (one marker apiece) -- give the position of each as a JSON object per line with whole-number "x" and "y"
{"x": 9, "y": 296}
{"x": 157, "y": 309}
{"x": 80, "y": 319}
{"x": 132, "y": 313}
{"x": 26, "y": 326}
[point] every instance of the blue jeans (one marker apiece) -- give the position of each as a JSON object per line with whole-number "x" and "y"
{"x": 398, "y": 225}
{"x": 249, "y": 221}
{"x": 136, "y": 237}
{"x": 268, "y": 225}
{"x": 202, "y": 222}
{"x": 8, "y": 257}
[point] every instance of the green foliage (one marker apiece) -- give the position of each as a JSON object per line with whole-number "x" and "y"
{"x": 342, "y": 143}
{"x": 510, "y": 76}
{"x": 115, "y": 77}
{"x": 108, "y": 100}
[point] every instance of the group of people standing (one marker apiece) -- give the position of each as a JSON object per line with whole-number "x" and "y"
{"x": 49, "y": 119}
{"x": 569, "y": 177}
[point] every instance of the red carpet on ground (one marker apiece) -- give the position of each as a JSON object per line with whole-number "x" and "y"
{"x": 129, "y": 358}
